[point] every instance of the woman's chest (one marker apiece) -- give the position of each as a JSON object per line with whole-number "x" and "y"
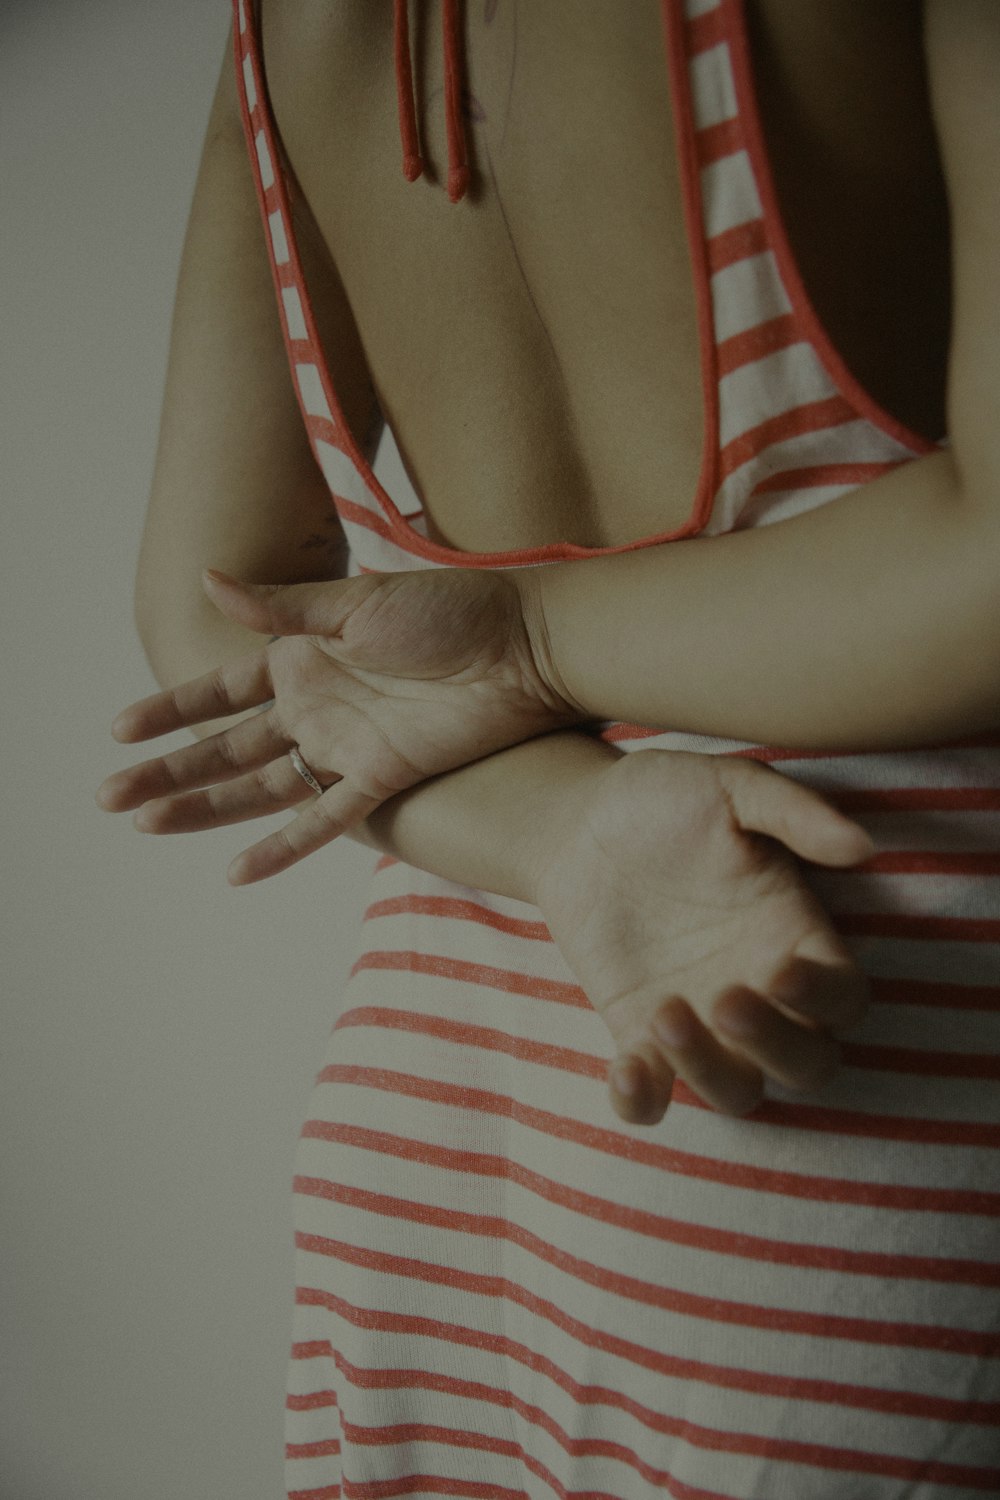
{"x": 537, "y": 348}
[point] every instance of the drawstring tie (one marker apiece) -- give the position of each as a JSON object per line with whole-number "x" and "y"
{"x": 413, "y": 165}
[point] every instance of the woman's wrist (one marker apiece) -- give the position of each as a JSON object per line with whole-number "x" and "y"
{"x": 491, "y": 825}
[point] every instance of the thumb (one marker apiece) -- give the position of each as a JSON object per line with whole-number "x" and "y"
{"x": 766, "y": 802}
{"x": 288, "y": 608}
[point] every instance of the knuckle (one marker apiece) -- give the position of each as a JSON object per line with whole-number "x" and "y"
{"x": 226, "y": 751}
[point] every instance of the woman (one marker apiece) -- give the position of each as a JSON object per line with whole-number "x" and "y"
{"x": 501, "y": 1288}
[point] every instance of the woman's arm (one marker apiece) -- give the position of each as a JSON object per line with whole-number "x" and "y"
{"x": 236, "y": 485}
{"x": 235, "y": 482}
{"x": 873, "y": 620}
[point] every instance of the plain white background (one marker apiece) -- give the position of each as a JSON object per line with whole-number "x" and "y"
{"x": 161, "y": 1030}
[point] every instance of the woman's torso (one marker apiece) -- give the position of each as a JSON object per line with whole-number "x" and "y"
{"x": 569, "y": 408}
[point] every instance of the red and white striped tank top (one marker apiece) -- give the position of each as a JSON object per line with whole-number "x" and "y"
{"x": 504, "y": 1291}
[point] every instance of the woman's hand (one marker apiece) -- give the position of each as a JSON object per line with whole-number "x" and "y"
{"x": 381, "y": 681}
{"x": 673, "y": 911}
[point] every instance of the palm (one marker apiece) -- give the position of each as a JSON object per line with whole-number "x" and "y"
{"x": 656, "y": 891}
{"x": 382, "y": 682}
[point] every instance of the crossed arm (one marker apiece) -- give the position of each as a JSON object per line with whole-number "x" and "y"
{"x": 880, "y": 624}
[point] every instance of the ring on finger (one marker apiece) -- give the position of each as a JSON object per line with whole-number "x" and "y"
{"x": 304, "y": 771}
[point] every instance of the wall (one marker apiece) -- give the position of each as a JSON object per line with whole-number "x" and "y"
{"x": 160, "y": 1029}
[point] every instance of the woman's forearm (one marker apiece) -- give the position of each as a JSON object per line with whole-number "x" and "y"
{"x": 490, "y": 824}
{"x": 870, "y": 622}
{"x": 486, "y": 825}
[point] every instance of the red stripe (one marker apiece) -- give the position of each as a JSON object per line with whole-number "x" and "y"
{"x": 815, "y": 475}
{"x": 815, "y": 1454}
{"x": 323, "y": 1449}
{"x": 460, "y": 911}
{"x": 743, "y": 1246}
{"x": 919, "y": 928}
{"x": 757, "y": 343}
{"x": 813, "y": 416}
{"x": 509, "y": 981}
{"x": 835, "y": 1393}
{"x": 661, "y": 1158}
{"x": 327, "y": 1492}
{"x": 713, "y": 142}
{"x": 432, "y": 1485}
{"x": 633, "y": 1289}
{"x": 616, "y": 734}
{"x": 485, "y": 1037}
{"x": 703, "y": 32}
{"x": 738, "y": 243}
{"x": 323, "y": 429}
{"x": 312, "y": 1349}
{"x": 940, "y": 996}
{"x": 317, "y": 1401}
{"x": 859, "y": 1124}
{"x": 929, "y": 862}
{"x": 927, "y": 1064}
{"x": 920, "y": 799}
{"x": 574, "y": 1446}
{"x": 349, "y": 510}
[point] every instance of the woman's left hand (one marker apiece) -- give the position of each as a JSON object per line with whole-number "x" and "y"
{"x": 382, "y": 681}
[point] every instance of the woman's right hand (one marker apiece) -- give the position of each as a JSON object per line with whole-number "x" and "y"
{"x": 672, "y": 890}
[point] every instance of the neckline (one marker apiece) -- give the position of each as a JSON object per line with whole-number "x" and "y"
{"x": 730, "y": 26}
{"x": 399, "y": 528}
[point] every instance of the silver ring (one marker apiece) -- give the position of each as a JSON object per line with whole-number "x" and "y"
{"x": 303, "y": 770}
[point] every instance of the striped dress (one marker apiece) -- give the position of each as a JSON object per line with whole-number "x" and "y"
{"x": 502, "y": 1289}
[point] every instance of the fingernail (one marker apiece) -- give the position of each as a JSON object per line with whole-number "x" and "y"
{"x": 673, "y": 1028}
{"x": 625, "y": 1080}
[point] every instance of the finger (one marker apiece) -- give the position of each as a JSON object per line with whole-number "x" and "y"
{"x": 289, "y": 608}
{"x": 326, "y": 818}
{"x": 726, "y": 1080}
{"x": 244, "y": 683}
{"x": 797, "y": 1057}
{"x": 274, "y": 788}
{"x": 640, "y": 1084}
{"x": 220, "y": 758}
{"x": 833, "y": 995}
{"x": 765, "y": 801}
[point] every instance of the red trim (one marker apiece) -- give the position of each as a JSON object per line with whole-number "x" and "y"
{"x": 690, "y": 174}
{"x": 813, "y": 329}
